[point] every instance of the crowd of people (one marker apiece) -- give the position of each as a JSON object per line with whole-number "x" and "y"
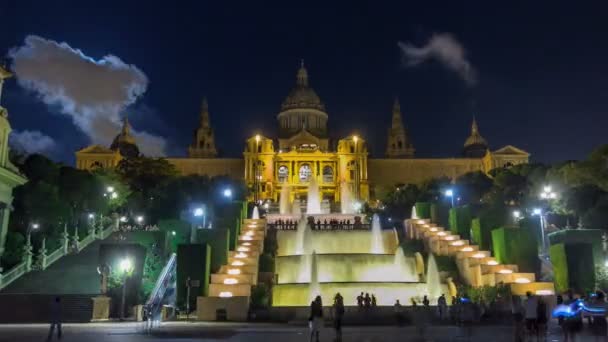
{"x": 331, "y": 224}
{"x": 138, "y": 227}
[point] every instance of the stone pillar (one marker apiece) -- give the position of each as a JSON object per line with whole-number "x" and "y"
{"x": 101, "y": 308}
{"x": 28, "y": 254}
{"x": 75, "y": 240}
{"x": 66, "y": 239}
{"x": 41, "y": 262}
{"x": 4, "y": 214}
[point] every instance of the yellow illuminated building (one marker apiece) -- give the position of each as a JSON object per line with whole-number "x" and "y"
{"x": 303, "y": 152}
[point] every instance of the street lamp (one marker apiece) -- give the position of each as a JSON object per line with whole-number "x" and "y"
{"x": 548, "y": 193}
{"x": 125, "y": 267}
{"x": 123, "y": 219}
{"x": 198, "y": 212}
{"x": 538, "y": 212}
{"x": 140, "y": 219}
{"x": 110, "y": 189}
{"x": 450, "y": 193}
{"x": 227, "y": 193}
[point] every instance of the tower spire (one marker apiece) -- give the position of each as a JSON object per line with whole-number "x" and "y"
{"x": 302, "y": 77}
{"x": 203, "y": 145}
{"x": 205, "y": 113}
{"x": 398, "y": 144}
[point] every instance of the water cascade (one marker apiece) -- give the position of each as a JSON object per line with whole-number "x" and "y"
{"x": 432, "y": 279}
{"x": 284, "y": 201}
{"x": 377, "y": 243}
{"x": 295, "y": 208}
{"x": 315, "y": 288}
{"x": 346, "y": 199}
{"x": 414, "y": 214}
{"x": 403, "y": 266}
{"x": 313, "y": 204}
{"x": 303, "y": 238}
{"x": 256, "y": 213}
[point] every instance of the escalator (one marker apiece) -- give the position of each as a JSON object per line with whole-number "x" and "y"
{"x": 163, "y": 294}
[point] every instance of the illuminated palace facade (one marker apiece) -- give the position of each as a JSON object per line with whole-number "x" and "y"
{"x": 303, "y": 152}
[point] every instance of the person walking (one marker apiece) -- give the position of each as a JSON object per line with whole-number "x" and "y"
{"x": 374, "y": 303}
{"x": 425, "y": 301}
{"x": 442, "y": 306}
{"x": 531, "y": 314}
{"x": 398, "y": 309}
{"x": 541, "y": 320}
{"x": 517, "y": 311}
{"x": 315, "y": 321}
{"x": 467, "y": 317}
{"x": 360, "y": 301}
{"x": 55, "y": 318}
{"x": 367, "y": 300}
{"x": 598, "y": 320}
{"x": 338, "y": 315}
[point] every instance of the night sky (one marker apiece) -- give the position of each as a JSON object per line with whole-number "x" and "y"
{"x": 540, "y": 71}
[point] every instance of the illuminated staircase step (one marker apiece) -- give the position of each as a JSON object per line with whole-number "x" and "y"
{"x": 509, "y": 278}
{"x": 239, "y": 278}
{"x": 245, "y": 269}
{"x": 537, "y": 288}
{"x": 237, "y": 290}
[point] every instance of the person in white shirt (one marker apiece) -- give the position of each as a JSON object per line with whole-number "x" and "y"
{"x": 531, "y": 313}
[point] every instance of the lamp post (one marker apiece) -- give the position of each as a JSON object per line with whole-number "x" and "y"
{"x": 227, "y": 193}
{"x": 125, "y": 267}
{"x": 539, "y": 212}
{"x": 256, "y": 169}
{"x": 197, "y": 213}
{"x": 32, "y": 228}
{"x": 516, "y": 215}
{"x": 357, "y": 190}
{"x": 450, "y": 193}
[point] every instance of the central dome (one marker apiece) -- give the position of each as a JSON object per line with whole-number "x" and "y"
{"x": 302, "y": 96}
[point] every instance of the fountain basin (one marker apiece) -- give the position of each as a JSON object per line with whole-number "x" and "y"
{"x": 347, "y": 268}
{"x": 336, "y": 242}
{"x": 386, "y": 292}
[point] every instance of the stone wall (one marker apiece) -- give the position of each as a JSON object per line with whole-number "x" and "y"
{"x": 388, "y": 172}
{"x": 234, "y": 168}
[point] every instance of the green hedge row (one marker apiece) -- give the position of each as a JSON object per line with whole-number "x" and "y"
{"x": 557, "y": 253}
{"x": 581, "y": 268}
{"x": 460, "y": 221}
{"x": 423, "y": 210}
{"x": 516, "y": 246}
{"x": 440, "y": 214}
{"x": 219, "y": 241}
{"x": 194, "y": 262}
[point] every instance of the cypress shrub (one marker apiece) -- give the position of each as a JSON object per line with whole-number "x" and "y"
{"x": 423, "y": 210}
{"x": 460, "y": 221}
{"x": 560, "y": 267}
{"x": 194, "y": 262}
{"x": 516, "y": 246}
{"x": 219, "y": 241}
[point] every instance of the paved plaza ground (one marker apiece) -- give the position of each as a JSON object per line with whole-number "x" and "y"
{"x": 207, "y": 332}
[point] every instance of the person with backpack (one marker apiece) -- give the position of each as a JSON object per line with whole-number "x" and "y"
{"x": 338, "y": 315}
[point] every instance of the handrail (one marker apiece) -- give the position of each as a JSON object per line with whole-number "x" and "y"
{"x": 12, "y": 275}
{"x": 158, "y": 292}
{"x": 56, "y": 255}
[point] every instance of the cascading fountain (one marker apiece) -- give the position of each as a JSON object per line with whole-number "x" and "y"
{"x": 346, "y": 199}
{"x": 402, "y": 265}
{"x": 433, "y": 279}
{"x": 315, "y": 289}
{"x": 414, "y": 215}
{"x": 377, "y": 242}
{"x": 295, "y": 208}
{"x": 313, "y": 203}
{"x": 256, "y": 213}
{"x": 303, "y": 238}
{"x": 284, "y": 200}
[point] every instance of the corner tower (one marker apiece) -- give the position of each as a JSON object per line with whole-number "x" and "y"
{"x": 302, "y": 120}
{"x": 398, "y": 144}
{"x": 203, "y": 145}
{"x": 475, "y": 146}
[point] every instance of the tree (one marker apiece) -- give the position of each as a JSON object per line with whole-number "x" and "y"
{"x": 143, "y": 174}
{"x": 473, "y": 186}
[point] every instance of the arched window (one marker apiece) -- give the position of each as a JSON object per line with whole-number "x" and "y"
{"x": 328, "y": 174}
{"x": 283, "y": 174}
{"x": 400, "y": 144}
{"x": 352, "y": 168}
{"x": 305, "y": 172}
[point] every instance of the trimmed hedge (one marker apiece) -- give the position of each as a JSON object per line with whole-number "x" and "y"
{"x": 182, "y": 233}
{"x": 460, "y": 221}
{"x": 193, "y": 261}
{"x": 440, "y": 214}
{"x": 516, "y": 246}
{"x": 423, "y": 210}
{"x": 560, "y": 267}
{"x": 590, "y": 236}
{"x": 581, "y": 268}
{"x": 219, "y": 241}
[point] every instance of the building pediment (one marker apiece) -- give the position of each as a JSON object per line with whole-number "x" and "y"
{"x": 510, "y": 150}
{"x": 305, "y": 140}
{"x": 96, "y": 149}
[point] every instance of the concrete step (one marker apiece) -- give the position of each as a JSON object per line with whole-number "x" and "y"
{"x": 236, "y": 290}
{"x": 239, "y": 278}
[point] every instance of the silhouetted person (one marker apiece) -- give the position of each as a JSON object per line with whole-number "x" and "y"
{"x": 425, "y": 301}
{"x": 316, "y": 318}
{"x": 367, "y": 300}
{"x": 374, "y": 303}
{"x": 398, "y": 312}
{"x": 360, "y": 300}
{"x": 442, "y": 306}
{"x": 55, "y": 318}
{"x": 338, "y": 315}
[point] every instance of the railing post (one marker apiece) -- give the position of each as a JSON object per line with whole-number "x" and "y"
{"x": 42, "y": 256}
{"x": 66, "y": 239}
{"x": 28, "y": 254}
{"x": 75, "y": 240}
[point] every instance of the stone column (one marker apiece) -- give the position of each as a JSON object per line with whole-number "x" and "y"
{"x": 28, "y": 254}
{"x": 66, "y": 239}
{"x": 42, "y": 256}
{"x": 4, "y": 214}
{"x": 75, "y": 240}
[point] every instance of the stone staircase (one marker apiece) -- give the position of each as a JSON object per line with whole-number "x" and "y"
{"x": 477, "y": 267}
{"x": 230, "y": 288}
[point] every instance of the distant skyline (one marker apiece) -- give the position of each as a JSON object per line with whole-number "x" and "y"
{"x": 534, "y": 75}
